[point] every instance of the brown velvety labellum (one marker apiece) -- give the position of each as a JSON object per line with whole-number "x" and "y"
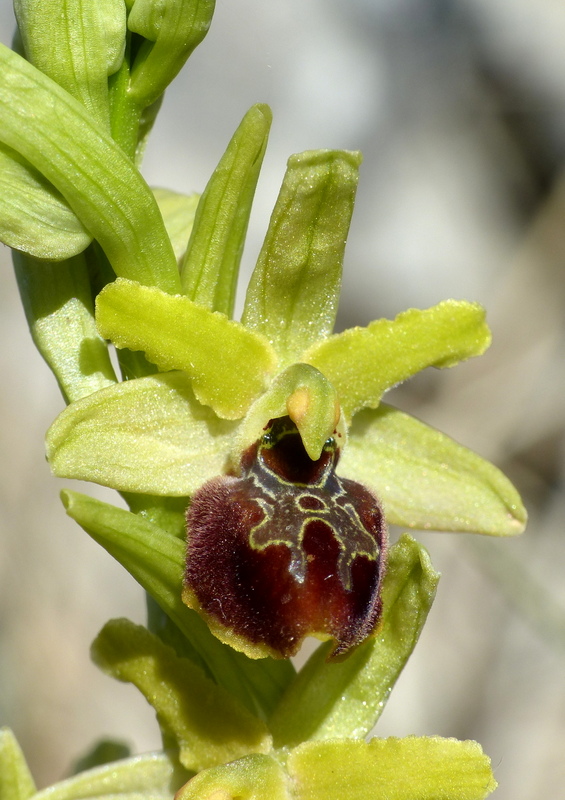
{"x": 286, "y": 550}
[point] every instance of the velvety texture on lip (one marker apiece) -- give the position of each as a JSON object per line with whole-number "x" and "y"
{"x": 286, "y": 550}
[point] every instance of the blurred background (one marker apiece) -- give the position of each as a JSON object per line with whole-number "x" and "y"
{"x": 459, "y": 109}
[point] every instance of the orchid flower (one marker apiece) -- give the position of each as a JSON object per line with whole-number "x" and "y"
{"x": 291, "y": 413}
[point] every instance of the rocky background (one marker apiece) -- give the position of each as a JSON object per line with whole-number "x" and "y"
{"x": 459, "y": 109}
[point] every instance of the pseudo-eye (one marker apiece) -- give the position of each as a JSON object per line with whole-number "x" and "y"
{"x": 286, "y": 550}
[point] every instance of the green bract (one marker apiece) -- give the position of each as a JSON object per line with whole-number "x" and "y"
{"x": 90, "y": 41}
{"x": 293, "y": 293}
{"x": 59, "y": 138}
{"x": 209, "y": 724}
{"x": 33, "y": 215}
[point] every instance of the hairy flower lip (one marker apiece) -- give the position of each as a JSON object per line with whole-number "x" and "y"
{"x": 285, "y": 551}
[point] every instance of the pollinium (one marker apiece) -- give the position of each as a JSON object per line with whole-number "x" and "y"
{"x": 285, "y": 550}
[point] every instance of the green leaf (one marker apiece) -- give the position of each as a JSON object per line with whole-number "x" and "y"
{"x": 255, "y": 777}
{"x": 228, "y": 365}
{"x": 90, "y": 39}
{"x": 178, "y": 212}
{"x": 16, "y": 782}
{"x": 34, "y": 216}
{"x": 209, "y": 725}
{"x": 294, "y": 291}
{"x": 156, "y": 560}
{"x": 302, "y": 393}
{"x": 58, "y": 305}
{"x": 426, "y": 768}
{"x": 362, "y": 363}
{"x": 172, "y": 31}
{"x": 426, "y": 480}
{"x": 152, "y": 776}
{"x": 329, "y": 700}
{"x": 147, "y": 435}
{"x": 211, "y": 264}
{"x": 56, "y": 134}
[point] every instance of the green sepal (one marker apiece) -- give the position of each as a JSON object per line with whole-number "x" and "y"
{"x": 151, "y": 776}
{"x": 255, "y": 777}
{"x": 16, "y": 782}
{"x": 172, "y": 30}
{"x": 426, "y": 480}
{"x": 228, "y": 364}
{"x": 56, "y": 134}
{"x": 211, "y": 264}
{"x": 148, "y": 435}
{"x": 304, "y": 394}
{"x": 422, "y": 767}
{"x": 294, "y": 291}
{"x": 34, "y": 216}
{"x": 178, "y": 212}
{"x": 78, "y": 44}
{"x": 209, "y": 725}
{"x": 58, "y": 304}
{"x": 329, "y": 700}
{"x": 362, "y": 363}
{"x": 156, "y": 560}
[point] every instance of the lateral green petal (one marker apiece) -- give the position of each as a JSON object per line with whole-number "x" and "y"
{"x": 362, "y": 363}
{"x": 56, "y": 134}
{"x": 228, "y": 365}
{"x": 255, "y": 777}
{"x": 211, "y": 264}
{"x": 156, "y": 560}
{"x": 294, "y": 290}
{"x": 426, "y": 768}
{"x": 178, "y": 212}
{"x": 16, "y": 782}
{"x": 34, "y": 216}
{"x": 172, "y": 31}
{"x": 57, "y": 301}
{"x": 76, "y": 43}
{"x": 426, "y": 480}
{"x": 151, "y": 776}
{"x": 306, "y": 396}
{"x": 209, "y": 725}
{"x": 345, "y": 699}
{"x": 148, "y": 435}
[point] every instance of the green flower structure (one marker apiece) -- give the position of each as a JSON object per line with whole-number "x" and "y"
{"x": 223, "y": 386}
{"x": 271, "y": 430}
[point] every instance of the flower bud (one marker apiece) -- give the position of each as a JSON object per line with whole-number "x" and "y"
{"x": 286, "y": 550}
